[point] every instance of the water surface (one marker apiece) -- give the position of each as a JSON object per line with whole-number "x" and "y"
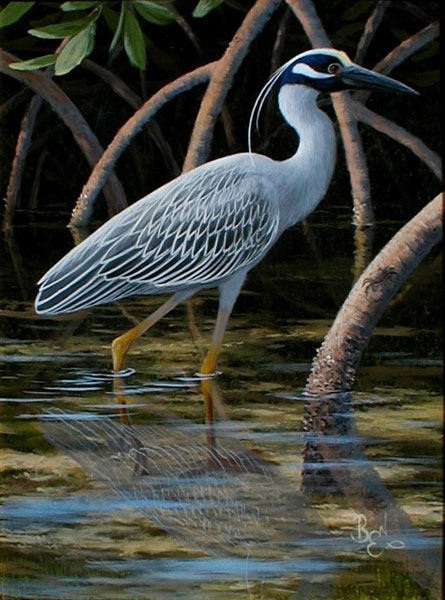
{"x": 258, "y": 508}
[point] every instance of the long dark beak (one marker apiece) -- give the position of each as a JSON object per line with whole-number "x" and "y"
{"x": 357, "y": 77}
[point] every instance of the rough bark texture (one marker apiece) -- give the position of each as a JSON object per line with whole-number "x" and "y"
{"x": 358, "y": 170}
{"x": 104, "y": 166}
{"x": 18, "y": 164}
{"x": 370, "y": 29}
{"x": 69, "y": 113}
{"x": 221, "y": 81}
{"x": 337, "y": 360}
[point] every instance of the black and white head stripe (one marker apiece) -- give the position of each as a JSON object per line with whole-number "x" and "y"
{"x": 314, "y": 68}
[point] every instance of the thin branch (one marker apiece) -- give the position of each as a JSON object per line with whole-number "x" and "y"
{"x": 227, "y": 122}
{"x": 19, "y": 161}
{"x": 370, "y": 29}
{"x": 185, "y": 26}
{"x": 122, "y": 90}
{"x": 73, "y": 119}
{"x": 407, "y": 48}
{"x": 280, "y": 41}
{"x": 13, "y": 102}
{"x": 226, "y": 67}
{"x": 334, "y": 368}
{"x": 34, "y": 197}
{"x": 401, "y": 135}
{"x": 400, "y": 53}
{"x": 126, "y": 133}
{"x": 119, "y": 87}
{"x": 305, "y": 12}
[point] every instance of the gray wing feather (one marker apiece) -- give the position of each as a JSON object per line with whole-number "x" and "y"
{"x": 195, "y": 231}
{"x": 198, "y": 234}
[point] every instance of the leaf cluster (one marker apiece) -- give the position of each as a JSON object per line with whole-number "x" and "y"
{"x": 78, "y": 33}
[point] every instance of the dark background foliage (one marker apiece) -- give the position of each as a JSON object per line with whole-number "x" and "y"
{"x": 401, "y": 184}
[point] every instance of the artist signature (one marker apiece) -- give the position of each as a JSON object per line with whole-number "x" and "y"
{"x": 373, "y": 538}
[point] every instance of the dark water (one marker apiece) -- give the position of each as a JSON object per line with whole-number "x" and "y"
{"x": 257, "y": 506}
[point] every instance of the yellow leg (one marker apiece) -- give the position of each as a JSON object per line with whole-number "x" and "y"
{"x": 209, "y": 364}
{"x": 121, "y": 344}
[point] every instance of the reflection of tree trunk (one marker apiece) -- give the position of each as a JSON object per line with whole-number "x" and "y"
{"x": 314, "y": 245}
{"x": 73, "y": 119}
{"x": 18, "y": 164}
{"x": 335, "y": 464}
{"x": 355, "y": 156}
{"x": 79, "y": 234}
{"x": 17, "y": 263}
{"x": 337, "y": 360}
{"x": 123, "y": 137}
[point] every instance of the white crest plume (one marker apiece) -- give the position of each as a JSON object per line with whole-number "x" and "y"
{"x": 261, "y": 99}
{"x": 264, "y": 93}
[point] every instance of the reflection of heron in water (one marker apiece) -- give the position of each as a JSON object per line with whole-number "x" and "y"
{"x": 226, "y": 499}
{"x": 220, "y": 498}
{"x": 210, "y": 226}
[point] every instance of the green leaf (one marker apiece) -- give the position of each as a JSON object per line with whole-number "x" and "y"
{"x": 34, "y": 63}
{"x": 111, "y": 18}
{"x": 120, "y": 24}
{"x": 59, "y": 30}
{"x": 154, "y": 12}
{"x": 134, "y": 42}
{"x": 66, "y": 29}
{"x": 77, "y": 48}
{"x": 72, "y": 6}
{"x": 205, "y": 6}
{"x": 13, "y": 11}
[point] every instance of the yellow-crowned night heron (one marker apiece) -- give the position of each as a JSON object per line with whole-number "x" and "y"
{"x": 210, "y": 226}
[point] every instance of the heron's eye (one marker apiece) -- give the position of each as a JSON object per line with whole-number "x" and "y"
{"x": 334, "y": 68}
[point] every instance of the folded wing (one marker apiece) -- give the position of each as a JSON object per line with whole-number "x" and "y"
{"x": 195, "y": 231}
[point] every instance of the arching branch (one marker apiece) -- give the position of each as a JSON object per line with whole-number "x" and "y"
{"x": 221, "y": 81}
{"x": 400, "y": 53}
{"x": 104, "y": 166}
{"x": 121, "y": 89}
{"x": 337, "y": 360}
{"x": 399, "y": 134}
{"x": 73, "y": 119}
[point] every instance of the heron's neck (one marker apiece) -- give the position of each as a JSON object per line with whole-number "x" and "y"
{"x": 309, "y": 170}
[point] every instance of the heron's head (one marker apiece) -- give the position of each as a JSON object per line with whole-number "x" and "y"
{"x": 329, "y": 70}
{"x": 323, "y": 70}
